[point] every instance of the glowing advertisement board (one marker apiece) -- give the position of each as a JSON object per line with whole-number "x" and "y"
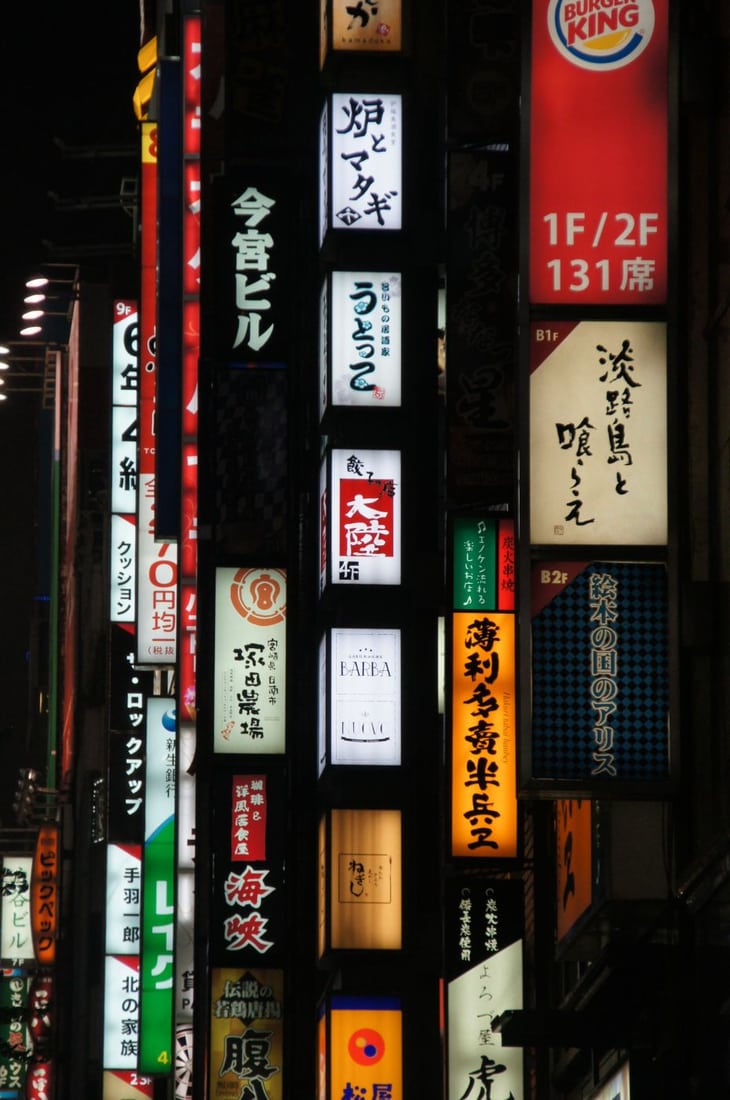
{"x": 250, "y": 661}
{"x": 483, "y": 930}
{"x": 365, "y": 155}
{"x": 123, "y": 898}
{"x": 600, "y": 676}
{"x": 598, "y": 109}
{"x": 246, "y": 1033}
{"x": 365, "y": 1046}
{"x": 121, "y": 1012}
{"x": 364, "y": 697}
{"x": 370, "y": 27}
{"x": 364, "y": 880}
{"x": 365, "y": 543}
{"x": 16, "y": 940}
{"x": 598, "y": 433}
{"x": 364, "y": 349}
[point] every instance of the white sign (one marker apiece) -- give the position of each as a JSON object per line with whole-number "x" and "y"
{"x": 366, "y": 163}
{"x": 157, "y": 605}
{"x": 598, "y": 433}
{"x": 16, "y": 940}
{"x": 122, "y": 568}
{"x": 123, "y": 898}
{"x": 365, "y": 688}
{"x": 250, "y": 661}
{"x": 365, "y": 351}
{"x": 365, "y": 543}
{"x": 121, "y": 1011}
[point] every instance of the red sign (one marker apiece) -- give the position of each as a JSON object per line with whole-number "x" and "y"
{"x": 598, "y": 152}
{"x": 248, "y": 817}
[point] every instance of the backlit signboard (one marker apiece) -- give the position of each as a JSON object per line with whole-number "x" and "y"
{"x": 483, "y": 563}
{"x": 365, "y": 1046}
{"x": 121, "y": 1012}
{"x": 246, "y": 1034}
{"x": 483, "y": 735}
{"x": 45, "y": 893}
{"x": 364, "y": 348}
{"x": 123, "y": 898}
{"x": 364, "y": 873}
{"x": 574, "y": 855}
{"x": 250, "y": 660}
{"x": 598, "y": 433}
{"x": 367, "y": 26}
{"x": 16, "y": 941}
{"x": 364, "y": 139}
{"x": 364, "y": 697}
{"x": 365, "y": 532}
{"x": 157, "y": 956}
{"x": 598, "y": 108}
{"x": 600, "y": 676}
{"x": 483, "y": 928}
{"x": 126, "y": 1085}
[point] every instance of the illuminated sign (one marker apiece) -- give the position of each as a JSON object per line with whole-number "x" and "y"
{"x": 600, "y": 675}
{"x": 364, "y": 873}
{"x": 157, "y": 956}
{"x": 121, "y": 1012}
{"x": 598, "y": 106}
{"x": 365, "y": 544}
{"x": 369, "y": 25}
{"x": 248, "y": 817}
{"x": 126, "y": 1085}
{"x": 123, "y": 898}
{"x": 246, "y": 1034}
{"x": 574, "y": 872}
{"x": 123, "y": 468}
{"x": 364, "y": 697}
{"x": 483, "y": 735}
{"x": 44, "y": 893}
{"x": 250, "y": 661}
{"x": 157, "y": 598}
{"x": 15, "y": 909}
{"x": 122, "y": 569}
{"x": 364, "y": 350}
{"x": 598, "y": 433}
{"x": 483, "y": 928}
{"x": 365, "y": 1046}
{"x": 364, "y": 150}
{"x": 483, "y": 564}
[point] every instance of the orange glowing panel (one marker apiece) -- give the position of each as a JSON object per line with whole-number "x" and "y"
{"x": 574, "y": 861}
{"x": 44, "y": 894}
{"x": 365, "y": 875}
{"x": 483, "y": 736}
{"x": 366, "y": 1047}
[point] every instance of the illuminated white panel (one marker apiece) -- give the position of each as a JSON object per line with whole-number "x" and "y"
{"x": 365, "y": 545}
{"x": 365, "y": 352}
{"x": 366, "y": 161}
{"x": 365, "y": 689}
{"x": 123, "y": 898}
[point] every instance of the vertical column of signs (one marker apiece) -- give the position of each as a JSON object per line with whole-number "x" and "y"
{"x": 597, "y": 436}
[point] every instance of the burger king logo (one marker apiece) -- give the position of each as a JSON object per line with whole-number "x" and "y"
{"x": 601, "y": 34}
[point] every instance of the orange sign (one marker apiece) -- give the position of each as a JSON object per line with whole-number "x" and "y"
{"x": 575, "y": 864}
{"x": 44, "y": 894}
{"x": 483, "y": 736}
{"x": 366, "y": 1047}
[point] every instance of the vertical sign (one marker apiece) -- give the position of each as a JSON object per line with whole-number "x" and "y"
{"x": 598, "y": 107}
{"x": 16, "y": 941}
{"x": 365, "y": 694}
{"x": 156, "y": 561}
{"x": 365, "y": 879}
{"x": 123, "y": 472}
{"x": 365, "y": 346}
{"x": 574, "y": 878}
{"x": 250, "y": 661}
{"x": 598, "y": 433}
{"x": 157, "y": 957}
{"x": 365, "y": 544}
{"x": 246, "y": 1034}
{"x": 366, "y": 1047}
{"x": 366, "y": 161}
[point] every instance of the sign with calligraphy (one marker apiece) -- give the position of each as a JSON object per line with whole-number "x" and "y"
{"x": 484, "y": 929}
{"x": 365, "y": 162}
{"x": 574, "y": 855}
{"x": 483, "y": 566}
{"x": 16, "y": 941}
{"x": 369, "y": 25}
{"x": 250, "y": 661}
{"x": 600, "y": 677}
{"x": 483, "y": 735}
{"x": 598, "y": 433}
{"x": 121, "y": 1012}
{"x": 365, "y": 543}
{"x": 246, "y": 1033}
{"x": 123, "y": 898}
{"x": 364, "y": 875}
{"x": 364, "y": 349}
{"x": 365, "y": 1047}
{"x": 598, "y": 105}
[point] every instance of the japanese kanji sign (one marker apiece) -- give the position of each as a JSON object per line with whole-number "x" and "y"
{"x": 365, "y": 544}
{"x": 598, "y": 108}
{"x": 598, "y": 433}
{"x": 246, "y": 1034}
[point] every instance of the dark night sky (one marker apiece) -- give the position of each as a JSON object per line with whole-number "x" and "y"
{"x": 68, "y": 74}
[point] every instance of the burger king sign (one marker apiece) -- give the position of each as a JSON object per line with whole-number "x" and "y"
{"x": 601, "y": 34}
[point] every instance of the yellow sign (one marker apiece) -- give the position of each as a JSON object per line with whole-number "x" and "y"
{"x": 483, "y": 736}
{"x": 375, "y": 27}
{"x": 366, "y": 1047}
{"x": 246, "y": 1033}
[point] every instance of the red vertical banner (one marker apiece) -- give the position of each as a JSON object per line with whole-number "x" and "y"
{"x": 598, "y": 152}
